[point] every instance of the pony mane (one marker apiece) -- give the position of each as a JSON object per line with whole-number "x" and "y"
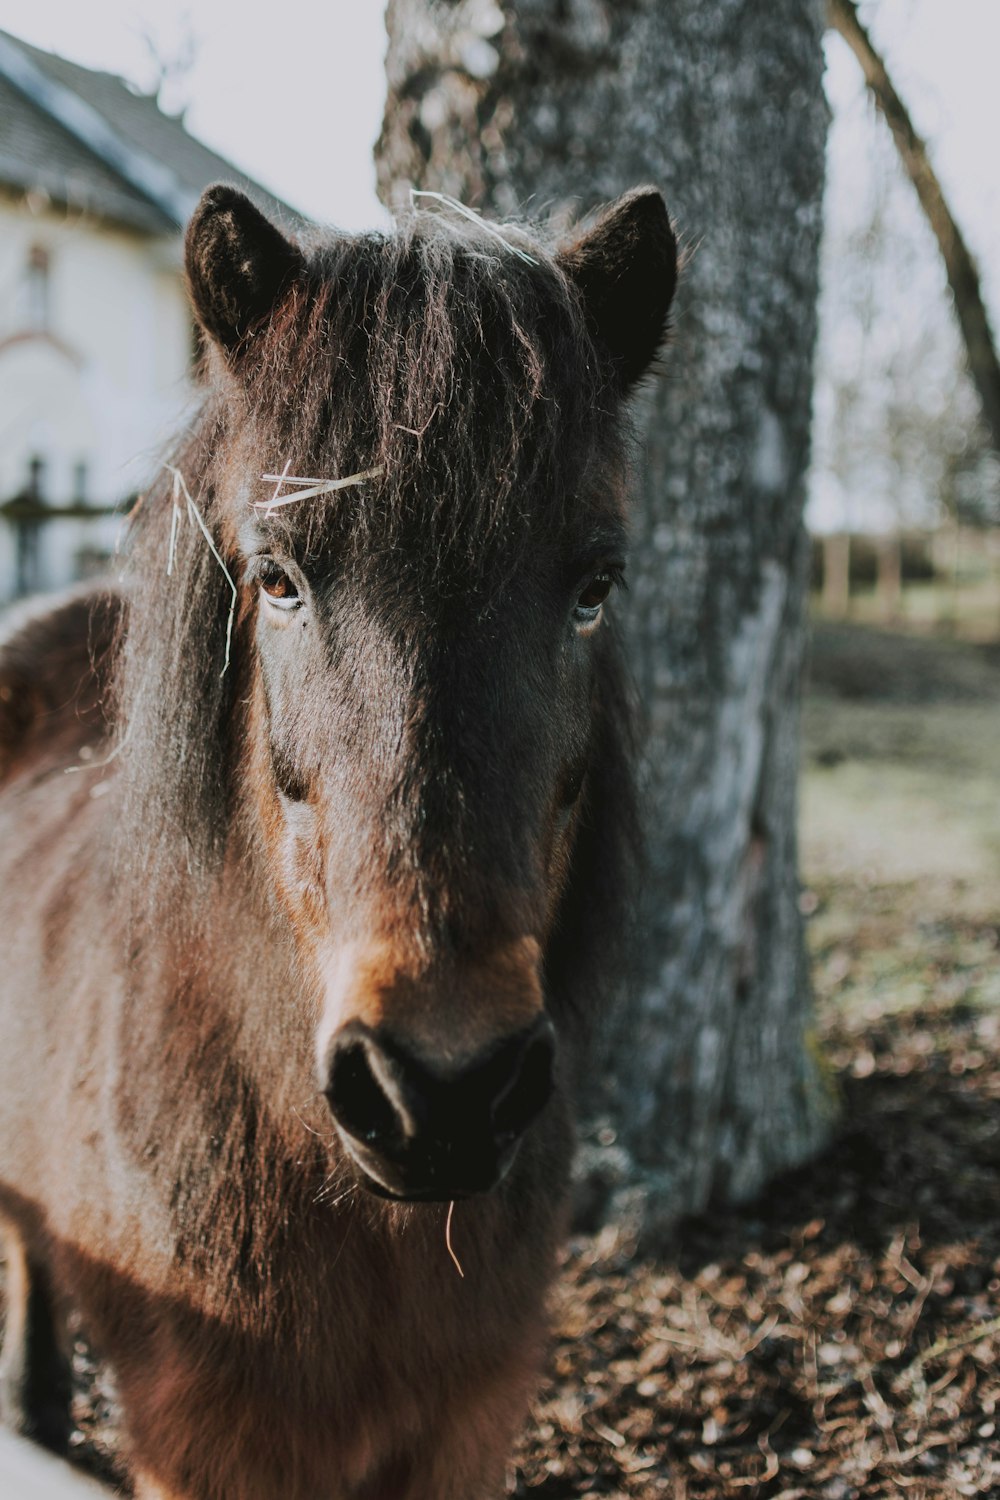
{"x": 468, "y": 375}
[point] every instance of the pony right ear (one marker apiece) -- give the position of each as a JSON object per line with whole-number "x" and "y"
{"x": 625, "y": 268}
{"x": 237, "y": 263}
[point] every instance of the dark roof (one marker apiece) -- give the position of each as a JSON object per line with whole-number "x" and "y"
{"x": 91, "y": 141}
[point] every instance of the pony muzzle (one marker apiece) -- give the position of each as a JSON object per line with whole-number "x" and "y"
{"x": 426, "y": 1130}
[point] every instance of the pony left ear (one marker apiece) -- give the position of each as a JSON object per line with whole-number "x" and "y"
{"x": 237, "y": 263}
{"x": 625, "y": 267}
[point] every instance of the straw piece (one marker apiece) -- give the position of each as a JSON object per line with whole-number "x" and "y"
{"x": 174, "y": 523}
{"x": 474, "y": 218}
{"x": 447, "y": 1239}
{"x": 279, "y": 480}
{"x": 97, "y": 765}
{"x": 285, "y": 478}
{"x": 195, "y": 513}
{"x": 315, "y": 487}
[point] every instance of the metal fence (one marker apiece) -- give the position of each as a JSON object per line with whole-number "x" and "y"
{"x": 27, "y": 516}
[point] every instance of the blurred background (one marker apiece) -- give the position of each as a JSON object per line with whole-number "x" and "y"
{"x": 114, "y": 116}
{"x": 95, "y": 338}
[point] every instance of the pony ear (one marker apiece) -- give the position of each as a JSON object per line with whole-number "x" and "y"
{"x": 625, "y": 267}
{"x": 237, "y": 263}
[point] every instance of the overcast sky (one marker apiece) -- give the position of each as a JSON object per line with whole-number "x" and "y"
{"x": 943, "y": 58}
{"x": 295, "y": 98}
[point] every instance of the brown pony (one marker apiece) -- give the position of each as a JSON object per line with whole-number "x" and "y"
{"x": 313, "y": 838}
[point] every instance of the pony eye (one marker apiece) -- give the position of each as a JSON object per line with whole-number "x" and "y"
{"x": 592, "y": 597}
{"x": 278, "y": 587}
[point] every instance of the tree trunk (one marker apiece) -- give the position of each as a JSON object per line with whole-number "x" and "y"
{"x": 889, "y": 584}
{"x": 836, "y": 598}
{"x": 711, "y": 1083}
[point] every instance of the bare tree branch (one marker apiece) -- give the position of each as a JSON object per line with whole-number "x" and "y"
{"x": 963, "y": 277}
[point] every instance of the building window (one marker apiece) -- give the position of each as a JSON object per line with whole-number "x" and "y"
{"x": 28, "y": 531}
{"x": 36, "y": 478}
{"x": 37, "y": 289}
{"x": 80, "y": 477}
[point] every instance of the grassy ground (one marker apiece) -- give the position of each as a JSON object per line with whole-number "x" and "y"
{"x": 900, "y": 822}
{"x": 969, "y": 608}
{"x": 839, "y": 1338}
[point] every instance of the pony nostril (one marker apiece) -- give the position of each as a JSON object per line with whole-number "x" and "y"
{"x": 362, "y": 1102}
{"x": 528, "y": 1092}
{"x": 436, "y": 1130}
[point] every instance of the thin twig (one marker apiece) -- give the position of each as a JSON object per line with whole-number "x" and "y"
{"x": 945, "y": 1346}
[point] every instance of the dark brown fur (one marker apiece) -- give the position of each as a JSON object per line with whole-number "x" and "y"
{"x": 407, "y": 804}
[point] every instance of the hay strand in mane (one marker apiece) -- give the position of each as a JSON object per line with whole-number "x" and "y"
{"x": 447, "y": 1239}
{"x": 314, "y": 487}
{"x": 470, "y": 213}
{"x": 175, "y": 518}
{"x": 97, "y": 765}
{"x": 279, "y": 480}
{"x": 195, "y": 514}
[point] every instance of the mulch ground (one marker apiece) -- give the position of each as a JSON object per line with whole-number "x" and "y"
{"x": 838, "y": 1338}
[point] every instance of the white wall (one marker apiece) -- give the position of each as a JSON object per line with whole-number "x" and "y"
{"x": 104, "y": 385}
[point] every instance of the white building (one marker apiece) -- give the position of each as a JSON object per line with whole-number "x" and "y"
{"x": 96, "y": 339}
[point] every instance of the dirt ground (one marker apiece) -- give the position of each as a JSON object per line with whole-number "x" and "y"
{"x": 839, "y": 1338}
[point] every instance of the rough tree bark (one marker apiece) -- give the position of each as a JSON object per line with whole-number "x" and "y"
{"x": 963, "y": 276}
{"x": 711, "y": 1082}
